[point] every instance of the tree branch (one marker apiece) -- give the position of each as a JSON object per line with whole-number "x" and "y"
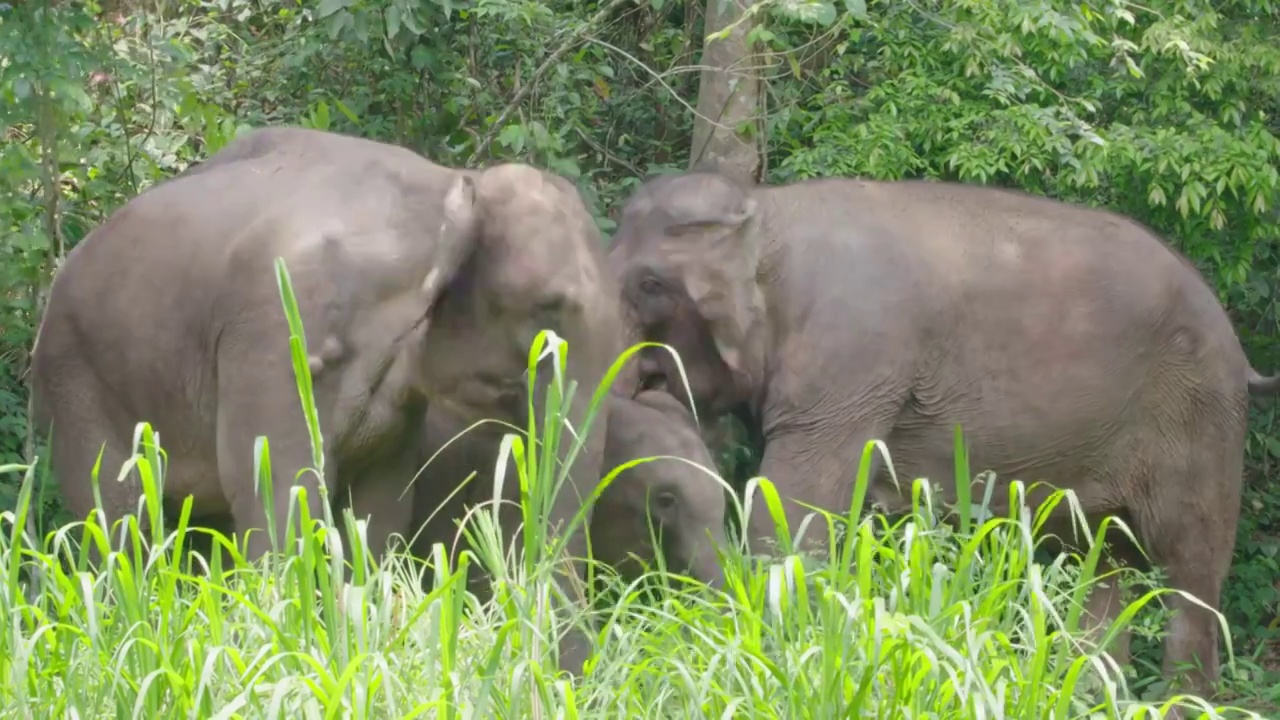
{"x": 546, "y": 65}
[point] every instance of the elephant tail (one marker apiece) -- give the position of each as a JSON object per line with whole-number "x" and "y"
{"x": 1263, "y": 384}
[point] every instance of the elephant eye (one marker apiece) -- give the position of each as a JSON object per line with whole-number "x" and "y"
{"x": 551, "y": 307}
{"x": 651, "y": 285}
{"x": 652, "y": 381}
{"x": 665, "y": 500}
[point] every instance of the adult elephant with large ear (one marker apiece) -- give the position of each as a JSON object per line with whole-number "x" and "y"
{"x": 415, "y": 283}
{"x": 1071, "y": 345}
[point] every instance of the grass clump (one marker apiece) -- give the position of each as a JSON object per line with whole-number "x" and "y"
{"x": 908, "y": 618}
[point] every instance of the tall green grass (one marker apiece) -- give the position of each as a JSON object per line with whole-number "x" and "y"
{"x": 909, "y": 618}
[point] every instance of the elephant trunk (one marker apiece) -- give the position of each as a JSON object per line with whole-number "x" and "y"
{"x": 704, "y": 565}
{"x": 627, "y": 382}
{"x": 587, "y": 370}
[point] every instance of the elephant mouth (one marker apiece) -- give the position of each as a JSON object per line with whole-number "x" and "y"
{"x": 485, "y": 396}
{"x": 651, "y": 375}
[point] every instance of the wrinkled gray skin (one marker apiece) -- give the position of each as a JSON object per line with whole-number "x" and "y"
{"x": 1070, "y": 344}
{"x": 415, "y": 282}
{"x": 686, "y": 506}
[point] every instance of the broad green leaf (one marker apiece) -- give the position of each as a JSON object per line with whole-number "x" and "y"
{"x": 819, "y": 12}
{"x": 329, "y": 7}
{"x": 856, "y": 8}
{"x": 419, "y": 56}
{"x": 393, "y": 21}
{"x": 513, "y": 136}
{"x": 410, "y": 20}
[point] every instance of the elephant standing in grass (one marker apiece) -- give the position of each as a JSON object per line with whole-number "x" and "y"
{"x": 683, "y": 504}
{"x": 415, "y": 283}
{"x": 1071, "y": 345}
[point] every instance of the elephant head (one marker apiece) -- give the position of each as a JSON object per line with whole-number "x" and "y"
{"x": 680, "y": 505}
{"x": 536, "y": 263}
{"x": 686, "y": 255}
{"x": 669, "y": 498}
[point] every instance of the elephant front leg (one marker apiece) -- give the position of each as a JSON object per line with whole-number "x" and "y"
{"x": 260, "y": 399}
{"x": 811, "y": 469}
{"x": 384, "y": 499}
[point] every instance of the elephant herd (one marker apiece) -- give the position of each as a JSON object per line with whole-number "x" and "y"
{"x": 1072, "y": 346}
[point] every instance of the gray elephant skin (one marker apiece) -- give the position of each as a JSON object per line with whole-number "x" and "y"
{"x": 415, "y": 283}
{"x": 1071, "y": 345}
{"x": 682, "y": 504}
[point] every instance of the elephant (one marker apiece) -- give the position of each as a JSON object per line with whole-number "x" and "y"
{"x": 835, "y": 311}
{"x": 417, "y": 284}
{"x": 683, "y": 503}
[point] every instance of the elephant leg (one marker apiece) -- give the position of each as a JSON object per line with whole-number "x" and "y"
{"x": 1106, "y": 601}
{"x": 817, "y": 469}
{"x": 200, "y": 542}
{"x": 257, "y": 396}
{"x": 84, "y": 429}
{"x": 384, "y": 499}
{"x": 1190, "y": 530}
{"x": 437, "y": 510}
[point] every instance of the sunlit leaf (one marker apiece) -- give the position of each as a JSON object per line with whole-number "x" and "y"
{"x": 819, "y": 12}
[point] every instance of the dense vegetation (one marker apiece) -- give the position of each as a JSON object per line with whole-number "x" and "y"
{"x": 1167, "y": 111}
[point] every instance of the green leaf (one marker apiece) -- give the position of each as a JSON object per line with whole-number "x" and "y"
{"x": 337, "y": 24}
{"x": 360, "y": 25}
{"x": 329, "y": 7}
{"x": 419, "y": 56}
{"x": 410, "y": 20}
{"x": 342, "y": 108}
{"x": 513, "y": 137}
{"x": 565, "y": 166}
{"x": 320, "y": 117}
{"x": 856, "y": 8}
{"x": 393, "y": 21}
{"x": 819, "y": 12}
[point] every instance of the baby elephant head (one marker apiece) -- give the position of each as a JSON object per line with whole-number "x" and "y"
{"x": 667, "y": 499}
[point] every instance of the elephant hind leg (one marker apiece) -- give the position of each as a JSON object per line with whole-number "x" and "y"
{"x": 81, "y": 429}
{"x": 1187, "y": 525}
{"x": 1106, "y": 601}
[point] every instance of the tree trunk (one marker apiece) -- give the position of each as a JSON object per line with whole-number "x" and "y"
{"x": 728, "y": 130}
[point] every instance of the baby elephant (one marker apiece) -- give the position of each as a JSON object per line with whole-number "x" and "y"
{"x": 686, "y": 504}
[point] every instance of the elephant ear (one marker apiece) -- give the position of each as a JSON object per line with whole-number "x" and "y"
{"x": 457, "y": 237}
{"x": 720, "y": 245}
{"x": 706, "y": 165}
